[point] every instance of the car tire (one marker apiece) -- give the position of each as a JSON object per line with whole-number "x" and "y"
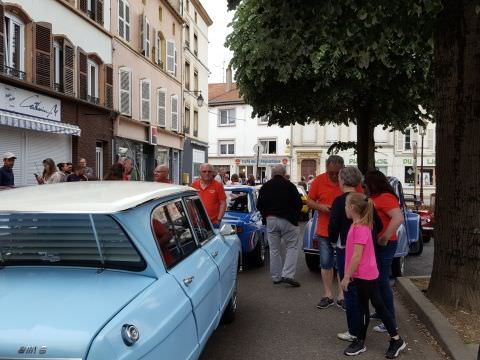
{"x": 313, "y": 262}
{"x": 416, "y": 248}
{"x": 398, "y": 266}
{"x": 229, "y": 314}
{"x": 257, "y": 255}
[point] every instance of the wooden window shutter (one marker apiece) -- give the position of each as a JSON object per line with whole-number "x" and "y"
{"x": 83, "y": 5}
{"x": 2, "y": 36}
{"x": 68, "y": 68}
{"x": 399, "y": 141}
{"x": 145, "y": 100}
{"x": 125, "y": 87}
{"x": 43, "y": 59}
{"x": 82, "y": 74}
{"x": 99, "y": 11}
{"x": 161, "y": 108}
{"x": 109, "y": 86}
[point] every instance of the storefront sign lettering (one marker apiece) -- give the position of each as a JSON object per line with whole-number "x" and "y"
{"x": 261, "y": 162}
{"x": 25, "y": 102}
{"x": 377, "y": 162}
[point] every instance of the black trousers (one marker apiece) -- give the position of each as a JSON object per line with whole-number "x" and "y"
{"x": 368, "y": 290}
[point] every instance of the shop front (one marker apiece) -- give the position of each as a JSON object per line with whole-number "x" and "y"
{"x": 33, "y": 128}
{"x": 195, "y": 153}
{"x": 263, "y": 169}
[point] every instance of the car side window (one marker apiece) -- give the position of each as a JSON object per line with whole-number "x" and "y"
{"x": 172, "y": 232}
{"x": 200, "y": 222}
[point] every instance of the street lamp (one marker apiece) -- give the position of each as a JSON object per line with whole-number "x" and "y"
{"x": 199, "y": 98}
{"x": 422, "y": 132}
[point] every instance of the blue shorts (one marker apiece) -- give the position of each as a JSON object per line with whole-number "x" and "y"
{"x": 326, "y": 253}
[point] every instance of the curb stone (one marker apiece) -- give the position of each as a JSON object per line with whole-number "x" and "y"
{"x": 436, "y": 323}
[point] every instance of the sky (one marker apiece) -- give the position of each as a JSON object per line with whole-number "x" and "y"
{"x": 218, "y": 55}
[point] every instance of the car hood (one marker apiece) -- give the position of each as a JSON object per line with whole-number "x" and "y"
{"x": 61, "y": 309}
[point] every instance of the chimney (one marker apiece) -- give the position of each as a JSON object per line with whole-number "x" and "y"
{"x": 229, "y": 78}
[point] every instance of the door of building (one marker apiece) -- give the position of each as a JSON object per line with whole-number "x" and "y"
{"x": 308, "y": 167}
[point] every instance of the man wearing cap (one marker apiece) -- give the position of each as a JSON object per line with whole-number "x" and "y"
{"x": 6, "y": 172}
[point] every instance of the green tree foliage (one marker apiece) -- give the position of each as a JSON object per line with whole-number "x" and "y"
{"x": 367, "y": 62}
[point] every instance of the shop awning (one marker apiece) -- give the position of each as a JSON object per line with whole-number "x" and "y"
{"x": 37, "y": 124}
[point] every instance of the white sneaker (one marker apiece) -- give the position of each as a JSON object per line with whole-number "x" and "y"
{"x": 380, "y": 328}
{"x": 346, "y": 336}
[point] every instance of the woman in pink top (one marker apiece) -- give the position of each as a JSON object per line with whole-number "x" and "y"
{"x": 361, "y": 268}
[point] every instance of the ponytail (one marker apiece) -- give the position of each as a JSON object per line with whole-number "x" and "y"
{"x": 363, "y": 206}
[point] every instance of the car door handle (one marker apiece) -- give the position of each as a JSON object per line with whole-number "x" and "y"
{"x": 188, "y": 280}
{"x": 215, "y": 254}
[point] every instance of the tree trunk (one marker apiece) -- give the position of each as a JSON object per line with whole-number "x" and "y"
{"x": 456, "y": 267}
{"x": 365, "y": 141}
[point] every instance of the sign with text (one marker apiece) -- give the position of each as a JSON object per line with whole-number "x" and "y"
{"x": 25, "y": 102}
{"x": 262, "y": 161}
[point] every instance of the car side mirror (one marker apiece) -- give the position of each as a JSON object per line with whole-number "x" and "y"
{"x": 227, "y": 229}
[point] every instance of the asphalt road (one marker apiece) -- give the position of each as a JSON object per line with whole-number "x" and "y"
{"x": 420, "y": 265}
{"x": 282, "y": 323}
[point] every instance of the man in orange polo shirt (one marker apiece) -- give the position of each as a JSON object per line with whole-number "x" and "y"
{"x": 212, "y": 194}
{"x": 323, "y": 190}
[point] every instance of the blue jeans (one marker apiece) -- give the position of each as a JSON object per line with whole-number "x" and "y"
{"x": 325, "y": 250}
{"x": 384, "y": 255}
{"x": 354, "y": 319}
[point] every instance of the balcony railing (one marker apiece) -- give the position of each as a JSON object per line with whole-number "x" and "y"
{"x": 7, "y": 70}
{"x": 93, "y": 99}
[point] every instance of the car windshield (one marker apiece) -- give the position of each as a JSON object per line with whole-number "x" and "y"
{"x": 238, "y": 201}
{"x": 66, "y": 240}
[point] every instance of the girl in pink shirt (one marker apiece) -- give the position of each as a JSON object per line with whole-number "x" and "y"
{"x": 361, "y": 268}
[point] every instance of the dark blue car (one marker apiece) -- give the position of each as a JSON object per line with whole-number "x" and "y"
{"x": 243, "y": 214}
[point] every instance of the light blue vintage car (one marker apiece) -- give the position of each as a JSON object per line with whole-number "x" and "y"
{"x": 112, "y": 270}
{"x": 409, "y": 236}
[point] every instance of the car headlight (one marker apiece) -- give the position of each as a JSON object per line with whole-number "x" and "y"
{"x": 130, "y": 334}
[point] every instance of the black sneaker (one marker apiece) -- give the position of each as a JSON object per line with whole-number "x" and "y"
{"x": 275, "y": 282}
{"x": 341, "y": 304}
{"x": 324, "y": 303}
{"x": 395, "y": 347}
{"x": 291, "y": 282}
{"x": 355, "y": 348}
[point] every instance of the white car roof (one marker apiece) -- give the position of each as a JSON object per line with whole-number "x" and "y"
{"x": 85, "y": 196}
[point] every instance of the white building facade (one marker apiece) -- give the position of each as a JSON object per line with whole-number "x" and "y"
{"x": 233, "y": 135}
{"x": 397, "y": 154}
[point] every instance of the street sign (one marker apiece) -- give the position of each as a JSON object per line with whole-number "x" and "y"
{"x": 258, "y": 149}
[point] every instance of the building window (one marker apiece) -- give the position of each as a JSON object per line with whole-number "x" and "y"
{"x": 125, "y": 90}
{"x": 226, "y": 147}
{"x": 226, "y": 117}
{"x": 263, "y": 120}
{"x": 58, "y": 64}
{"x": 187, "y": 76}
{"x": 14, "y": 46}
{"x": 174, "y": 104}
{"x": 187, "y": 36}
{"x": 195, "y": 123}
{"x": 124, "y": 20}
{"x": 195, "y": 16}
{"x": 92, "y": 88}
{"x": 173, "y": 29}
{"x": 380, "y": 135}
{"x": 145, "y": 100}
{"x": 428, "y": 176}
{"x": 93, "y": 9}
{"x": 161, "y": 109}
{"x": 160, "y": 50}
{"x": 331, "y": 134}
{"x": 186, "y": 125}
{"x": 269, "y": 146}
{"x": 195, "y": 80}
{"x": 171, "y": 58}
{"x": 145, "y": 37}
{"x": 160, "y": 13}
{"x": 407, "y": 140}
{"x": 195, "y": 44}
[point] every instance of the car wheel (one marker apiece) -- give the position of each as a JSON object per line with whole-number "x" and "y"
{"x": 313, "y": 262}
{"x": 257, "y": 256}
{"x": 231, "y": 309}
{"x": 398, "y": 266}
{"x": 416, "y": 248}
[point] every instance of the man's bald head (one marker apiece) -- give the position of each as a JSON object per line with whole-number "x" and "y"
{"x": 161, "y": 173}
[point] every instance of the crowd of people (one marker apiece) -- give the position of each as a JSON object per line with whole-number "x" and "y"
{"x": 356, "y": 223}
